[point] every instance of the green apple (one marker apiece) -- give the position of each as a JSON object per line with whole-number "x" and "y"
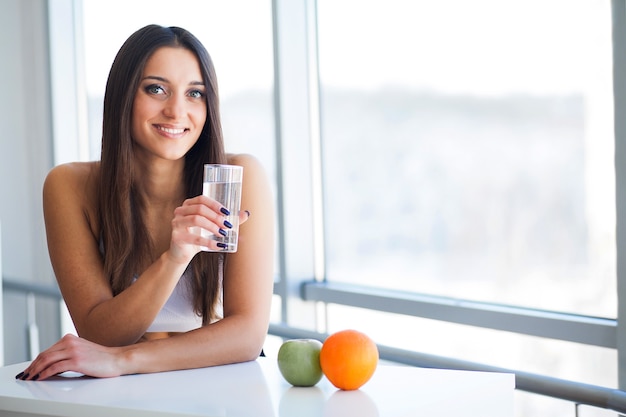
{"x": 299, "y": 362}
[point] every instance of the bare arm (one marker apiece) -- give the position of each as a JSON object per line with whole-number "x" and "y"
{"x": 248, "y": 286}
{"x": 239, "y": 336}
{"x": 70, "y": 210}
{"x": 73, "y": 243}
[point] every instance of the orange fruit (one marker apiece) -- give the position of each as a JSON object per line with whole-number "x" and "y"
{"x": 348, "y": 359}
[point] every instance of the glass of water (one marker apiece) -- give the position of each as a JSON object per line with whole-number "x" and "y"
{"x": 223, "y": 183}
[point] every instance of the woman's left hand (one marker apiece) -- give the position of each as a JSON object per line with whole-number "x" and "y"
{"x": 73, "y": 353}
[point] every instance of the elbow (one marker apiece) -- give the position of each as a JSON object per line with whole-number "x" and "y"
{"x": 251, "y": 356}
{"x": 107, "y": 339}
{"x": 252, "y": 346}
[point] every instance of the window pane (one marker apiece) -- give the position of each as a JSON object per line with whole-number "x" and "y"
{"x": 470, "y": 154}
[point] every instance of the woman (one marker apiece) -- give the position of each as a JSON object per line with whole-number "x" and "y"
{"x": 120, "y": 230}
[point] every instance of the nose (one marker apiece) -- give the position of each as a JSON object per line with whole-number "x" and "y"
{"x": 174, "y": 107}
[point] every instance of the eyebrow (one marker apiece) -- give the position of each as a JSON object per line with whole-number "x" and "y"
{"x": 165, "y": 80}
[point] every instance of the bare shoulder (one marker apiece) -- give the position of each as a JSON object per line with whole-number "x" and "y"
{"x": 257, "y": 191}
{"x": 255, "y": 178}
{"x": 72, "y": 189}
{"x": 71, "y": 175}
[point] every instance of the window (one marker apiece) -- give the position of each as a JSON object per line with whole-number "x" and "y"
{"x": 470, "y": 154}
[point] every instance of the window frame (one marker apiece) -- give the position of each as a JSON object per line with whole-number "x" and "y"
{"x": 619, "y": 88}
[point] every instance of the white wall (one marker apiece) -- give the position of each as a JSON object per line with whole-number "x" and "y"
{"x": 25, "y": 158}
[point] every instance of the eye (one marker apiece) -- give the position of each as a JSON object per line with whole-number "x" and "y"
{"x": 154, "y": 89}
{"x": 196, "y": 94}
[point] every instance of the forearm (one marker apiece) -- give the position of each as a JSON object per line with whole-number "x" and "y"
{"x": 123, "y": 319}
{"x": 231, "y": 340}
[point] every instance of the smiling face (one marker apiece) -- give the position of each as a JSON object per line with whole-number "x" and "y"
{"x": 169, "y": 109}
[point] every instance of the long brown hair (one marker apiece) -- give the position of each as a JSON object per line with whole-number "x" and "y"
{"x": 128, "y": 248}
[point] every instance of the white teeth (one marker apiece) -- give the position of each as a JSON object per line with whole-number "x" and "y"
{"x": 171, "y": 131}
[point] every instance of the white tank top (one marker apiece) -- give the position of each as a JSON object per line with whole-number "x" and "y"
{"x": 178, "y": 315}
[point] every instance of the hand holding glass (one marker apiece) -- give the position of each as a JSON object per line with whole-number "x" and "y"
{"x": 223, "y": 184}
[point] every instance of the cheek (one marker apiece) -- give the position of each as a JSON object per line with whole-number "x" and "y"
{"x": 141, "y": 108}
{"x": 141, "y": 113}
{"x": 201, "y": 113}
{"x": 200, "y": 117}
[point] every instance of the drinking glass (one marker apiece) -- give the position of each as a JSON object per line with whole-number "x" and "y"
{"x": 223, "y": 183}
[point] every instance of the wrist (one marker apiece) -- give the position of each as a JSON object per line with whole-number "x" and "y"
{"x": 173, "y": 263}
{"x": 175, "y": 258}
{"x": 127, "y": 360}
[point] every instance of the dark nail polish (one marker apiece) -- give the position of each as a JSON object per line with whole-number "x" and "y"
{"x": 248, "y": 213}
{"x": 25, "y": 376}
{"x": 18, "y": 376}
{"x": 222, "y": 245}
{"x": 225, "y": 211}
{"x": 223, "y": 232}
{"x": 227, "y": 224}
{"x": 36, "y": 377}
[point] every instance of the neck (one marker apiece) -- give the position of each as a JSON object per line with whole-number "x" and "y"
{"x": 161, "y": 183}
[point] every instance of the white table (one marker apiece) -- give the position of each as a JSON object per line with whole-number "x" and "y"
{"x": 256, "y": 389}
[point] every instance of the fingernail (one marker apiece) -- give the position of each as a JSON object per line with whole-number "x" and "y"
{"x": 227, "y": 224}
{"x": 248, "y": 213}
{"x": 18, "y": 376}
{"x": 25, "y": 376}
{"x": 36, "y": 377}
{"x": 225, "y": 211}
{"x": 223, "y": 232}
{"x": 222, "y": 245}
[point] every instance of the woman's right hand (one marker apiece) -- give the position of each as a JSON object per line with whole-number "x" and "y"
{"x": 76, "y": 354}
